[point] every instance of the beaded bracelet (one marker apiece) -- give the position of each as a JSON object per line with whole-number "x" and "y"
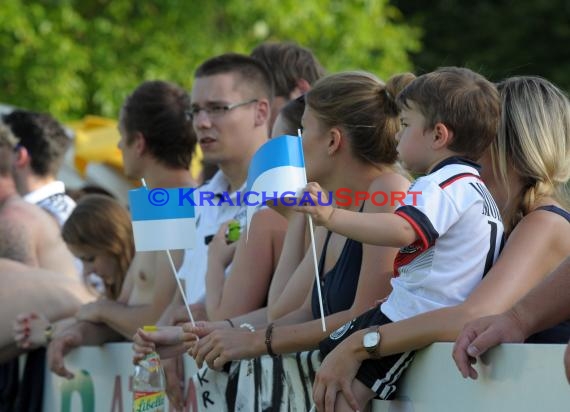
{"x": 268, "y": 336}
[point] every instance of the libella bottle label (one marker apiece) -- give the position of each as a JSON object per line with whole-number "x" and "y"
{"x": 149, "y": 402}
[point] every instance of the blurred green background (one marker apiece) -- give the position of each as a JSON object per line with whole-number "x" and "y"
{"x": 78, "y": 57}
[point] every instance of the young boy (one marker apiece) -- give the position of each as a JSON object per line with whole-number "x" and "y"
{"x": 450, "y": 234}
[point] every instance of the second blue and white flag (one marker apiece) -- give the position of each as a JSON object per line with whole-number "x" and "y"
{"x": 277, "y": 170}
{"x": 163, "y": 219}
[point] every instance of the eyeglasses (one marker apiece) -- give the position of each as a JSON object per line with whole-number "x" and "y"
{"x": 217, "y": 110}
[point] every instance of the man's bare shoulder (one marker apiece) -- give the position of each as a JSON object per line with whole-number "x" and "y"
{"x": 16, "y": 232}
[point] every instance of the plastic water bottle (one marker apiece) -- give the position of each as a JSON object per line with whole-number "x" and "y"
{"x": 149, "y": 383}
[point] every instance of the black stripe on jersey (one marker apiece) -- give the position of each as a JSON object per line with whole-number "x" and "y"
{"x": 452, "y": 179}
{"x": 489, "y": 206}
{"x": 492, "y": 246}
{"x": 420, "y": 223}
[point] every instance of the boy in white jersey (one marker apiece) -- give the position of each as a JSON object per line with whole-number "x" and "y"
{"x": 450, "y": 234}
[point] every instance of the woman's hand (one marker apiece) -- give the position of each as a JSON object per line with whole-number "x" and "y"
{"x": 336, "y": 374}
{"x": 30, "y": 330}
{"x": 218, "y": 347}
{"x": 167, "y": 341}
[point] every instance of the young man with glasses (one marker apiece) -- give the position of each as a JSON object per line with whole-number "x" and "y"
{"x": 230, "y": 113}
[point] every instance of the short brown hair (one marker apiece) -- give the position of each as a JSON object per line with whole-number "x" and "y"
{"x": 466, "y": 102}
{"x": 159, "y": 111}
{"x": 252, "y": 73}
{"x": 287, "y": 62}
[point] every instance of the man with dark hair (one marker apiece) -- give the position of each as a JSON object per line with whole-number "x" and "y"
{"x": 293, "y": 70}
{"x": 157, "y": 142}
{"x": 157, "y": 114}
{"x": 39, "y": 153}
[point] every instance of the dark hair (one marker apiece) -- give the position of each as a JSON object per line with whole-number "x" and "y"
{"x": 159, "y": 111}
{"x": 43, "y": 137}
{"x": 360, "y": 104}
{"x": 466, "y": 102}
{"x": 100, "y": 222}
{"x": 252, "y": 73}
{"x": 287, "y": 63}
{"x": 292, "y": 113}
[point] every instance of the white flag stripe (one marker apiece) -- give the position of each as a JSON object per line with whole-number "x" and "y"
{"x": 280, "y": 179}
{"x": 164, "y": 234}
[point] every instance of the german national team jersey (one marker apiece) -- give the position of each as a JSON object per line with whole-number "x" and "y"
{"x": 460, "y": 235}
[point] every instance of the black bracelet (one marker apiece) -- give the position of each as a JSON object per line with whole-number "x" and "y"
{"x": 230, "y": 322}
{"x": 268, "y": 335}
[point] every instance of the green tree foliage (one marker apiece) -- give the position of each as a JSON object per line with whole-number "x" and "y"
{"x": 73, "y": 57}
{"x": 498, "y": 38}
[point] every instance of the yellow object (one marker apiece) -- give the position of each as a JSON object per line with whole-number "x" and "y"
{"x": 150, "y": 328}
{"x": 96, "y": 140}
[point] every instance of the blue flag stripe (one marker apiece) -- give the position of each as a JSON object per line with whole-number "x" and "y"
{"x": 280, "y": 151}
{"x": 174, "y": 203}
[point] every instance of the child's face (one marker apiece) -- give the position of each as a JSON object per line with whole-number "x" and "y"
{"x": 413, "y": 141}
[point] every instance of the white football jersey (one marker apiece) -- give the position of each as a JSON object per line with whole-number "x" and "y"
{"x": 460, "y": 235}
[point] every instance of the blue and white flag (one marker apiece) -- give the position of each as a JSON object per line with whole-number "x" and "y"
{"x": 277, "y": 171}
{"x": 163, "y": 219}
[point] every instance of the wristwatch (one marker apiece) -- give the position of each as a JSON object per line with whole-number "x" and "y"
{"x": 371, "y": 341}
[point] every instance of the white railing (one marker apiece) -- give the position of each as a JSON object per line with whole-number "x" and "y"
{"x": 515, "y": 378}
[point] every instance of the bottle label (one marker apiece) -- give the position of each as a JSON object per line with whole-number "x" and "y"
{"x": 149, "y": 402}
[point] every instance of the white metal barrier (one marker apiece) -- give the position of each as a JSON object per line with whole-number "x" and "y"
{"x": 515, "y": 378}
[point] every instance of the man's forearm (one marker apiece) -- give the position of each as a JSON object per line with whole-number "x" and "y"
{"x": 93, "y": 334}
{"x": 125, "y": 319}
{"x": 547, "y": 304}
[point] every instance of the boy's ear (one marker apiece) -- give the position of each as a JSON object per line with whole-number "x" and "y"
{"x": 442, "y": 136}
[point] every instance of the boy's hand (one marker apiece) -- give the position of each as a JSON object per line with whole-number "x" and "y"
{"x": 313, "y": 203}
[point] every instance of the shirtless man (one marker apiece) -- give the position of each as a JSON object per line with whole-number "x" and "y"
{"x": 27, "y": 234}
{"x": 157, "y": 143}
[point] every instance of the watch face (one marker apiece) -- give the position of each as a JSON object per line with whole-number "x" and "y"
{"x": 371, "y": 340}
